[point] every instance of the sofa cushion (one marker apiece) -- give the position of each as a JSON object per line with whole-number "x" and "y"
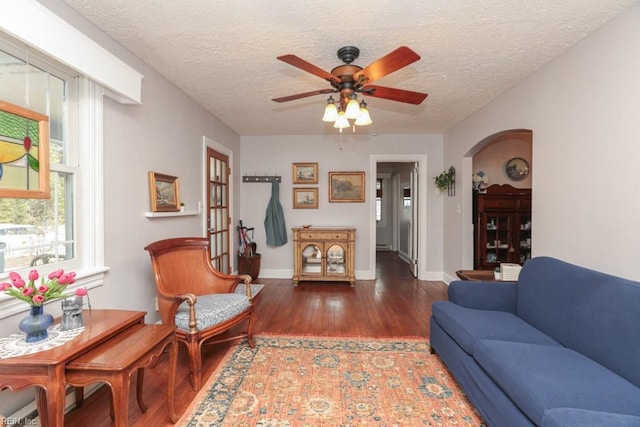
{"x": 594, "y": 313}
{"x": 540, "y": 377}
{"x": 572, "y": 417}
{"x": 466, "y": 326}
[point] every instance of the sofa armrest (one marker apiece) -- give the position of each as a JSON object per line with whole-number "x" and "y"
{"x": 484, "y": 295}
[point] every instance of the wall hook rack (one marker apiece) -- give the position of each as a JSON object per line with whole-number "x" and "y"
{"x": 264, "y": 178}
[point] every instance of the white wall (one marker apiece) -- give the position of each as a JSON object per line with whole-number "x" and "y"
{"x": 274, "y": 155}
{"x": 583, "y": 109}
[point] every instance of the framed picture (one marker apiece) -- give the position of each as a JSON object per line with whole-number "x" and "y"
{"x": 305, "y": 173}
{"x": 346, "y": 187}
{"x": 164, "y": 193}
{"x": 24, "y": 153}
{"x": 305, "y": 198}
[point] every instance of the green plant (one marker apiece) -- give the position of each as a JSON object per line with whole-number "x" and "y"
{"x": 443, "y": 180}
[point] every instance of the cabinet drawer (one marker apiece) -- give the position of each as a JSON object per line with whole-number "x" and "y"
{"x": 495, "y": 203}
{"x": 324, "y": 235}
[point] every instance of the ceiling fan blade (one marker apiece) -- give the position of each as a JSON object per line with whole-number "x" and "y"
{"x": 308, "y": 67}
{"x": 399, "y": 58}
{"x": 302, "y": 95}
{"x": 393, "y": 94}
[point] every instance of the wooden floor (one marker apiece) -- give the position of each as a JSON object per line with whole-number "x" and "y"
{"x": 395, "y": 304}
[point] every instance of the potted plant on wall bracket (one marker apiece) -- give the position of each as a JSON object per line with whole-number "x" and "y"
{"x": 446, "y": 181}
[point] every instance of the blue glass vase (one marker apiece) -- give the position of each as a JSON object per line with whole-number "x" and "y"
{"x": 35, "y": 324}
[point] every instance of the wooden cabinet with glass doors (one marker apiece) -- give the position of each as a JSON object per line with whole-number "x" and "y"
{"x": 324, "y": 254}
{"x": 502, "y": 224}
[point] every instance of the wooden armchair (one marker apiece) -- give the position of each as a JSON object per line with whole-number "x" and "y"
{"x": 198, "y": 300}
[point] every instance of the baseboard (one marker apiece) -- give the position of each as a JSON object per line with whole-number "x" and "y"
{"x": 28, "y": 414}
{"x": 383, "y": 247}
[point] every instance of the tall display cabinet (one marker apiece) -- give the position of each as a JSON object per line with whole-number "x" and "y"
{"x": 502, "y": 226}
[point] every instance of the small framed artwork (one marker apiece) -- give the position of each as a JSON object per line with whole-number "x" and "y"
{"x": 305, "y": 198}
{"x": 305, "y": 173}
{"x": 346, "y": 187}
{"x": 164, "y": 193}
{"x": 24, "y": 153}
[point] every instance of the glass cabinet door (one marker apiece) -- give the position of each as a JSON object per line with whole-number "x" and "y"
{"x": 312, "y": 259}
{"x": 498, "y": 237}
{"x": 525, "y": 237}
{"x": 335, "y": 260}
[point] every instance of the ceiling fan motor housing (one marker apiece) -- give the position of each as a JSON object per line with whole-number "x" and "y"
{"x": 348, "y": 54}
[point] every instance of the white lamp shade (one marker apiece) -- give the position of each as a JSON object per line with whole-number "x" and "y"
{"x": 364, "y": 118}
{"x": 352, "y": 111}
{"x": 330, "y": 113}
{"x": 341, "y": 121}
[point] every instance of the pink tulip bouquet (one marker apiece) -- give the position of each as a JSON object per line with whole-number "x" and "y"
{"x": 36, "y": 294}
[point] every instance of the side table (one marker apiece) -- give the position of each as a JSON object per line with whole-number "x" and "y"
{"x": 479, "y": 276}
{"x": 46, "y": 369}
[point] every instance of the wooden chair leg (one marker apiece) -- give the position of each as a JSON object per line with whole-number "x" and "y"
{"x": 195, "y": 364}
{"x": 252, "y": 319}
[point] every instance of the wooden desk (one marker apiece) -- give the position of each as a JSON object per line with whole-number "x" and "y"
{"x": 482, "y": 275}
{"x": 46, "y": 369}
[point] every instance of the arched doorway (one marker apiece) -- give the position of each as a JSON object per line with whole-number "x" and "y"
{"x": 509, "y": 198}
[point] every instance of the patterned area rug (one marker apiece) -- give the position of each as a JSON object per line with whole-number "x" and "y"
{"x": 319, "y": 381}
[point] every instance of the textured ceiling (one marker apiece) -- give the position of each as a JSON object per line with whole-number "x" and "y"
{"x": 223, "y": 53}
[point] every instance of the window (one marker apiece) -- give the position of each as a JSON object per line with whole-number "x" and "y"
{"x": 37, "y": 231}
{"x": 378, "y": 199}
{"x": 44, "y": 233}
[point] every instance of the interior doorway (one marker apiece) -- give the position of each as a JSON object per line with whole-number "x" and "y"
{"x": 488, "y": 163}
{"x": 398, "y": 217}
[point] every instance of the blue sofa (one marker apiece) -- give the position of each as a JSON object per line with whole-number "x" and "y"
{"x": 559, "y": 348}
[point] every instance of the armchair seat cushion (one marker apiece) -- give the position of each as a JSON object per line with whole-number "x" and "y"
{"x": 212, "y": 310}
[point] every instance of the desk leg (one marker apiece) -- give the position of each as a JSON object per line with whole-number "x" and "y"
{"x": 50, "y": 398}
{"x": 43, "y": 407}
{"x": 120, "y": 385}
{"x": 173, "y": 362}
{"x": 79, "y": 397}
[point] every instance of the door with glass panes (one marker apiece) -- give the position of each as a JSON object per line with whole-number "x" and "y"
{"x": 218, "y": 219}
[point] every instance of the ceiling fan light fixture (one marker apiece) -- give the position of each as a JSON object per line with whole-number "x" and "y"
{"x": 364, "y": 118}
{"x": 341, "y": 121}
{"x": 330, "y": 111}
{"x": 352, "y": 110}
{"x": 347, "y": 80}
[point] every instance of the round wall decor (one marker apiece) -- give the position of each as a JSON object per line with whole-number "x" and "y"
{"x": 517, "y": 169}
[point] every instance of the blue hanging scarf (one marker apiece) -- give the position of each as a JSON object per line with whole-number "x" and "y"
{"x": 274, "y": 223}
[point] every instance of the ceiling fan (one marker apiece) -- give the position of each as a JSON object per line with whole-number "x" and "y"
{"x": 349, "y": 79}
